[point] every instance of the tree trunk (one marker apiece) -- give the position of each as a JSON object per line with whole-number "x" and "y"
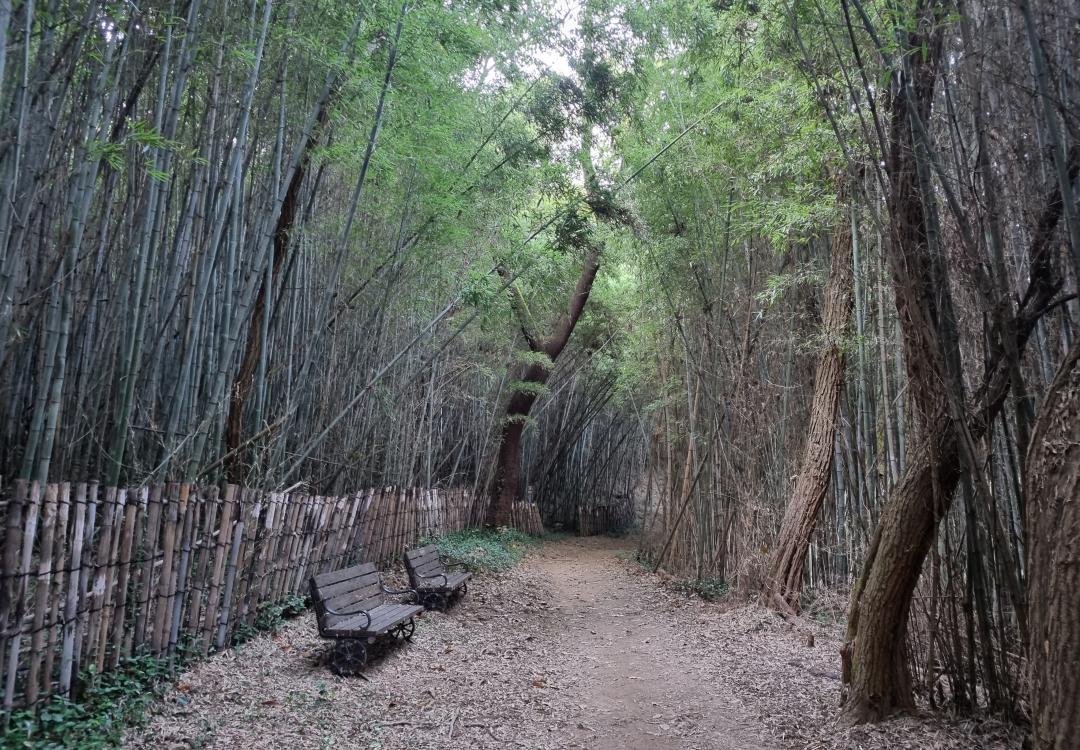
{"x": 789, "y": 557}
{"x": 874, "y": 668}
{"x": 1053, "y": 559}
{"x": 874, "y": 662}
{"x": 241, "y": 389}
{"x": 508, "y": 468}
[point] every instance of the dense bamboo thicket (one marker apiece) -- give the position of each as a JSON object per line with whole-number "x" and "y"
{"x": 781, "y": 284}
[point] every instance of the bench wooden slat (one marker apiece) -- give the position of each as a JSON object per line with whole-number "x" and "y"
{"x": 423, "y": 560}
{"x": 352, "y": 584}
{"x": 354, "y": 571}
{"x": 430, "y": 568}
{"x": 361, "y": 599}
{"x": 453, "y": 581}
{"x": 383, "y": 618}
{"x": 418, "y": 552}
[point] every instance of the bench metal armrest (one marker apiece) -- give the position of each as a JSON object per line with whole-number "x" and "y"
{"x": 337, "y": 613}
{"x": 399, "y": 592}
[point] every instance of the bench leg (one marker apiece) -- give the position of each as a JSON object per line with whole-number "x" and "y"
{"x": 434, "y": 600}
{"x": 405, "y": 630}
{"x": 348, "y": 657}
{"x": 461, "y": 592}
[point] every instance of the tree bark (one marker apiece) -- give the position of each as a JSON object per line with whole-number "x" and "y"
{"x": 508, "y": 467}
{"x": 874, "y": 665}
{"x": 784, "y": 584}
{"x": 874, "y": 662}
{"x": 1053, "y": 559}
{"x": 236, "y": 465}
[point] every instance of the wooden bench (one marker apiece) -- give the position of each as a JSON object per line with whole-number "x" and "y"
{"x": 431, "y": 580}
{"x": 352, "y": 608}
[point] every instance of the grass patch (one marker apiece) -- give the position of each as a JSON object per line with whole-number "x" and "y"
{"x": 710, "y": 589}
{"x": 484, "y": 550}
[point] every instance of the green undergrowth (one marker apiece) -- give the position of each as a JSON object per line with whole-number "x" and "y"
{"x": 709, "y": 588}
{"x": 485, "y": 550}
{"x": 111, "y": 702}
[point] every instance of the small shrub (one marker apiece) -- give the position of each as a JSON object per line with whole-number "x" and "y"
{"x": 484, "y": 550}
{"x": 272, "y": 615}
{"x": 709, "y": 589}
{"x": 109, "y": 703}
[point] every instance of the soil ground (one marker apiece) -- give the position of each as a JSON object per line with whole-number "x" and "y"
{"x": 575, "y": 648}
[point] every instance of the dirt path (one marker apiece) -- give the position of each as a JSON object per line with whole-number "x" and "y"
{"x": 575, "y": 648}
{"x": 640, "y": 687}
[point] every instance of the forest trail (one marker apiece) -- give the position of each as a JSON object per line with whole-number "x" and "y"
{"x": 577, "y": 647}
{"x": 640, "y": 689}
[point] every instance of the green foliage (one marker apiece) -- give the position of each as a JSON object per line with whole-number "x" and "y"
{"x": 270, "y": 617}
{"x": 527, "y": 386}
{"x": 110, "y": 702}
{"x": 710, "y": 589}
{"x": 484, "y": 550}
{"x": 776, "y": 286}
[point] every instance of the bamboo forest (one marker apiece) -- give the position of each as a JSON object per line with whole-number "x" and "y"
{"x": 675, "y": 374}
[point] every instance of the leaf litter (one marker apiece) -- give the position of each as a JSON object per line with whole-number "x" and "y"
{"x": 528, "y": 660}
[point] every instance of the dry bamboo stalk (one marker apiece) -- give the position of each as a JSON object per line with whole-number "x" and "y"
{"x": 341, "y": 543}
{"x": 289, "y": 539}
{"x": 363, "y": 534}
{"x": 230, "y": 581}
{"x": 303, "y": 543}
{"x": 187, "y": 509}
{"x": 127, "y": 644}
{"x": 318, "y": 555}
{"x": 165, "y": 580}
{"x": 251, "y": 542}
{"x": 71, "y": 604}
{"x": 108, "y": 609}
{"x": 224, "y": 536}
{"x": 318, "y": 539}
{"x": 26, "y": 558}
{"x": 382, "y": 528}
{"x": 378, "y": 527}
{"x": 295, "y": 575}
{"x": 341, "y": 531}
{"x": 101, "y": 564}
{"x": 8, "y": 621}
{"x": 41, "y": 595}
{"x": 198, "y": 583}
{"x": 269, "y": 547}
{"x": 322, "y": 525}
{"x": 127, "y": 541}
{"x": 364, "y": 525}
{"x": 293, "y": 540}
{"x": 344, "y": 538}
{"x": 86, "y": 576}
{"x": 356, "y": 535}
{"x": 146, "y": 570}
{"x": 57, "y": 595}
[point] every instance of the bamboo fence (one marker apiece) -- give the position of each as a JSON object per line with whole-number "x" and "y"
{"x": 92, "y": 575}
{"x": 604, "y": 519}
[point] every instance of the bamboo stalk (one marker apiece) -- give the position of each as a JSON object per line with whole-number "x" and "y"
{"x": 41, "y": 595}
{"x": 74, "y": 592}
{"x": 108, "y": 609}
{"x": 224, "y": 536}
{"x": 56, "y": 593}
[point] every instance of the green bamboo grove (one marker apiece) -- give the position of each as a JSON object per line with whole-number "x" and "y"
{"x": 789, "y": 287}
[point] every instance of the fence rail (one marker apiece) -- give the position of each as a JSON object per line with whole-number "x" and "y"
{"x": 92, "y": 575}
